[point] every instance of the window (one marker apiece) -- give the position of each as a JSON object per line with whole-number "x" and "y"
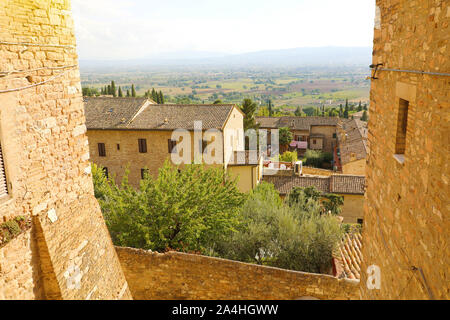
{"x": 360, "y": 221}
{"x": 172, "y": 146}
{"x": 402, "y": 125}
{"x": 106, "y": 172}
{"x": 142, "y": 145}
{"x": 202, "y": 144}
{"x": 101, "y": 150}
{"x": 144, "y": 173}
{"x": 118, "y": 146}
{"x": 314, "y": 141}
{"x": 3, "y": 183}
{"x": 334, "y": 135}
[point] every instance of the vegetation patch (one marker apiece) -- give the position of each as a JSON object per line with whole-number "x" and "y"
{"x": 13, "y": 228}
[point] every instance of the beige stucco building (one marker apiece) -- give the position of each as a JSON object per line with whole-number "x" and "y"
{"x": 352, "y": 148}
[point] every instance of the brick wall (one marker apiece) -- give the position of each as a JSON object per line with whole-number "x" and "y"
{"x": 173, "y": 276}
{"x": 46, "y": 156}
{"x": 406, "y": 221}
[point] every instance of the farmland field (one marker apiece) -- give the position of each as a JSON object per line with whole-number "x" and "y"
{"x": 288, "y": 88}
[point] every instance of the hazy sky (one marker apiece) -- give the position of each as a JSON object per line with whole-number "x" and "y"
{"x": 129, "y": 29}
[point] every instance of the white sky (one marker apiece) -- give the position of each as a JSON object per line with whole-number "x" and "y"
{"x": 130, "y": 29}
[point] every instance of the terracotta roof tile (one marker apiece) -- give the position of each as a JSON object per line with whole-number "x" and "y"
{"x": 340, "y": 184}
{"x": 348, "y": 257}
{"x": 296, "y": 123}
{"x": 352, "y": 140}
{"x": 142, "y": 114}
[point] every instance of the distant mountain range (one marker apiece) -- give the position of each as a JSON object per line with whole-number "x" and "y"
{"x": 298, "y": 57}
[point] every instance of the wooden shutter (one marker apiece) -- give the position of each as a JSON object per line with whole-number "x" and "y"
{"x": 101, "y": 150}
{"x": 3, "y": 184}
{"x": 142, "y": 145}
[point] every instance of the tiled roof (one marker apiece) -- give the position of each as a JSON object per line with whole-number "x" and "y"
{"x": 340, "y": 184}
{"x": 296, "y": 123}
{"x": 142, "y": 114}
{"x": 353, "y": 140}
{"x": 285, "y": 184}
{"x": 102, "y": 113}
{"x": 347, "y": 184}
{"x": 171, "y": 117}
{"x": 348, "y": 257}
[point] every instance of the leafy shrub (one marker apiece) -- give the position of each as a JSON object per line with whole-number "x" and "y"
{"x": 289, "y": 157}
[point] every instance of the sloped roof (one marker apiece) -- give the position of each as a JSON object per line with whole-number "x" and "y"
{"x": 340, "y": 184}
{"x": 348, "y": 257}
{"x": 142, "y": 114}
{"x": 285, "y": 184}
{"x": 103, "y": 113}
{"x": 353, "y": 140}
{"x": 347, "y": 184}
{"x": 171, "y": 117}
{"x": 296, "y": 123}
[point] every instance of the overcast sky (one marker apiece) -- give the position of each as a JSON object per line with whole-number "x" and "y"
{"x": 130, "y": 29}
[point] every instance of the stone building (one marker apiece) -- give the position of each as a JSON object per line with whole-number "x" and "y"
{"x": 407, "y": 211}
{"x": 53, "y": 241}
{"x": 350, "y": 187}
{"x": 317, "y": 133}
{"x": 352, "y": 146}
{"x": 138, "y": 135}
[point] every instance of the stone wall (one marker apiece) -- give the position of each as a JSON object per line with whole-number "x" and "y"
{"x": 69, "y": 254}
{"x": 406, "y": 223}
{"x": 174, "y": 276}
{"x": 353, "y": 208}
{"x": 317, "y": 171}
{"x": 357, "y": 167}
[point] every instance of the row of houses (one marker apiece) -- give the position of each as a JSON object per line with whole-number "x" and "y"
{"x": 138, "y": 135}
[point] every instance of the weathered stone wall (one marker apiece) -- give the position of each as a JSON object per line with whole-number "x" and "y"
{"x": 173, "y": 276}
{"x": 406, "y": 223}
{"x": 353, "y": 208}
{"x": 45, "y": 147}
{"x": 357, "y": 167}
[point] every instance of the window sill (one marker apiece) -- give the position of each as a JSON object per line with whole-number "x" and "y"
{"x": 400, "y": 158}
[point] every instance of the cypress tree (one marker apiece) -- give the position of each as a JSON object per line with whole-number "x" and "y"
{"x": 120, "y": 92}
{"x": 133, "y": 91}
{"x": 161, "y": 97}
{"x": 109, "y": 89}
{"x": 364, "y": 116}
{"x": 270, "y": 108}
{"x": 128, "y": 92}
{"x": 154, "y": 95}
{"x": 113, "y": 88}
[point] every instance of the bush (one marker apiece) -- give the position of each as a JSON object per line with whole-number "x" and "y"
{"x": 189, "y": 210}
{"x": 289, "y": 157}
{"x": 296, "y": 237}
{"x": 316, "y": 158}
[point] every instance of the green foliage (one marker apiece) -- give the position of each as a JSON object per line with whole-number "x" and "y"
{"x": 285, "y": 136}
{"x": 133, "y": 91}
{"x": 113, "y": 89}
{"x": 316, "y": 158}
{"x": 249, "y": 109}
{"x": 332, "y": 203}
{"x": 90, "y": 92}
{"x": 218, "y": 101}
{"x": 190, "y": 210}
{"x": 283, "y": 236}
{"x": 288, "y": 157}
{"x": 364, "y": 116}
{"x": 120, "y": 92}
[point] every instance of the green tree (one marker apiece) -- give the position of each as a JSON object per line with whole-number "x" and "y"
{"x": 285, "y": 136}
{"x": 218, "y": 101}
{"x": 332, "y": 203}
{"x": 161, "y": 97}
{"x": 283, "y": 236}
{"x": 270, "y": 108}
{"x": 113, "y": 88}
{"x": 133, "y": 91}
{"x": 189, "y": 210}
{"x": 364, "y": 116}
{"x": 298, "y": 112}
{"x": 249, "y": 109}
{"x": 289, "y": 157}
{"x": 120, "y": 92}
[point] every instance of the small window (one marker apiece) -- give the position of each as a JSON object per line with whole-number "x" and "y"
{"x": 360, "y": 221}
{"x": 334, "y": 135}
{"x": 314, "y": 141}
{"x": 118, "y": 146}
{"x": 106, "y": 172}
{"x": 144, "y": 173}
{"x": 402, "y": 126}
{"x": 3, "y": 183}
{"x": 101, "y": 150}
{"x": 172, "y": 146}
{"x": 202, "y": 145}
{"x": 142, "y": 145}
